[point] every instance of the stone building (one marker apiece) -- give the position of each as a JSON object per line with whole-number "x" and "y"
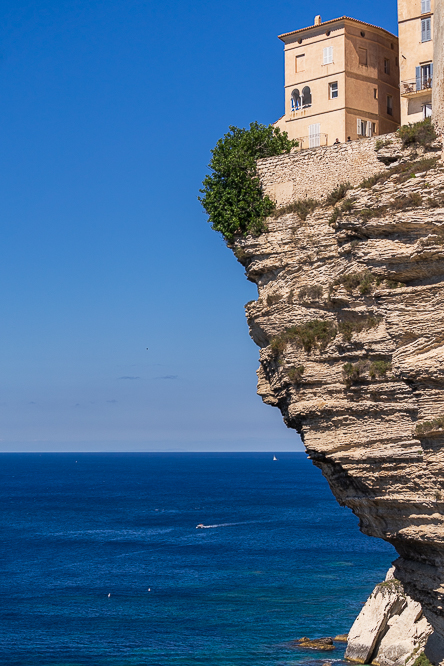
{"x": 415, "y": 26}
{"x": 341, "y": 80}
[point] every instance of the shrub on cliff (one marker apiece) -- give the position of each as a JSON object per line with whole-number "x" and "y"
{"x": 420, "y": 134}
{"x": 232, "y": 194}
{"x": 303, "y": 207}
{"x": 314, "y": 333}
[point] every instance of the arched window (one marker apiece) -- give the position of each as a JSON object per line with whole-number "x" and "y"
{"x": 295, "y": 100}
{"x": 306, "y": 97}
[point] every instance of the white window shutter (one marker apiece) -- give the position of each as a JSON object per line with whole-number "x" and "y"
{"x": 429, "y": 29}
{"x": 423, "y": 9}
{"x": 359, "y": 128}
{"x": 314, "y": 137}
{"x": 327, "y": 55}
{"x": 369, "y": 129}
{"x": 431, "y": 73}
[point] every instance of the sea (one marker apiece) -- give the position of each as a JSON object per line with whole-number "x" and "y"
{"x": 101, "y": 562}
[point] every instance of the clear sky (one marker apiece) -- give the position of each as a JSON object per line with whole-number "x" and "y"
{"x": 108, "y": 112}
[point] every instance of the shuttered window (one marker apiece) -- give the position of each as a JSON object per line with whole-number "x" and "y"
{"x": 314, "y": 135}
{"x": 426, "y": 30}
{"x": 363, "y": 127}
{"x": 327, "y": 55}
{"x": 424, "y": 76}
{"x": 425, "y": 6}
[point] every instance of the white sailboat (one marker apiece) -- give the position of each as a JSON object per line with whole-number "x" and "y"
{"x": 274, "y": 458}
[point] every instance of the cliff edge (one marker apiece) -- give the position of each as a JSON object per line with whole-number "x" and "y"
{"x": 350, "y": 322}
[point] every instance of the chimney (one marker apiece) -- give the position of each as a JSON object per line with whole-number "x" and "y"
{"x": 318, "y": 20}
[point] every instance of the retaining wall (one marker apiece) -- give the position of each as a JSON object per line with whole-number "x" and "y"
{"x": 316, "y": 172}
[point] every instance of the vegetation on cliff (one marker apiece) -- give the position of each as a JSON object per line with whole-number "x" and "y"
{"x": 419, "y": 134}
{"x": 232, "y": 194}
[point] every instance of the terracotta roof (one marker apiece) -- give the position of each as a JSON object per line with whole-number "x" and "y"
{"x": 325, "y": 23}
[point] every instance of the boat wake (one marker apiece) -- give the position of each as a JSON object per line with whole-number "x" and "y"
{"x": 201, "y": 526}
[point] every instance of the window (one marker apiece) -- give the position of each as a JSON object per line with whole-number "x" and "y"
{"x": 389, "y": 105}
{"x": 424, "y": 76}
{"x": 426, "y": 111}
{"x": 426, "y": 30}
{"x": 314, "y": 135}
{"x": 328, "y": 55}
{"x": 333, "y": 89}
{"x": 425, "y": 6}
{"x": 306, "y": 97}
{"x": 362, "y": 127}
{"x": 295, "y": 100}
{"x": 300, "y": 63}
{"x": 365, "y": 127}
{"x": 362, "y": 56}
{"x": 386, "y": 66}
{"x": 375, "y": 93}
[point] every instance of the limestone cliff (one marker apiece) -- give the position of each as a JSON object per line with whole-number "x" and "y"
{"x": 350, "y": 322}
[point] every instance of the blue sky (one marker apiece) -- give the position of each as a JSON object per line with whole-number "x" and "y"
{"x": 108, "y": 112}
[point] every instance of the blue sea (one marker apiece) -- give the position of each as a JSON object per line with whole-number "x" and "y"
{"x": 102, "y": 564}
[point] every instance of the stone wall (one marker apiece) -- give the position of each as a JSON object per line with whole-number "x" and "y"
{"x": 317, "y": 171}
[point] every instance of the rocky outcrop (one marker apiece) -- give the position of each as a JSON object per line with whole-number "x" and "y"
{"x": 350, "y": 322}
{"x": 323, "y": 644}
{"x": 391, "y": 628}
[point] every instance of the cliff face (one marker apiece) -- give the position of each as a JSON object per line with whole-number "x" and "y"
{"x": 350, "y": 322}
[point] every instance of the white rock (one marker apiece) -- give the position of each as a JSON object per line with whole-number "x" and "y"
{"x": 391, "y": 628}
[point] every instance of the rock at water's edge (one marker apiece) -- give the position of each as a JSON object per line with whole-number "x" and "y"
{"x": 391, "y": 628}
{"x": 325, "y": 644}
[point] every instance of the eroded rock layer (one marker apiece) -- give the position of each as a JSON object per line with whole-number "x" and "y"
{"x": 350, "y": 322}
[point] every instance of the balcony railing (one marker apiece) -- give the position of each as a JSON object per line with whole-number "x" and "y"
{"x": 415, "y": 86}
{"x": 313, "y": 141}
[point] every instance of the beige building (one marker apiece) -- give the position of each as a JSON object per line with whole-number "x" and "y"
{"x": 415, "y": 20}
{"x": 341, "y": 80}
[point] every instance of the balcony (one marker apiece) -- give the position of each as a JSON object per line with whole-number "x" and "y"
{"x": 314, "y": 141}
{"x": 415, "y": 86}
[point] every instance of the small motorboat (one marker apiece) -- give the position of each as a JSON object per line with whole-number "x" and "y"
{"x": 200, "y": 526}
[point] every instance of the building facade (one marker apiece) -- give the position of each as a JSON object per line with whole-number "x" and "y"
{"x": 438, "y": 58}
{"x": 415, "y": 26}
{"x": 341, "y": 81}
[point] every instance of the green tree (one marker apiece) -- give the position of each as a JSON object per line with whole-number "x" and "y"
{"x": 232, "y": 193}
